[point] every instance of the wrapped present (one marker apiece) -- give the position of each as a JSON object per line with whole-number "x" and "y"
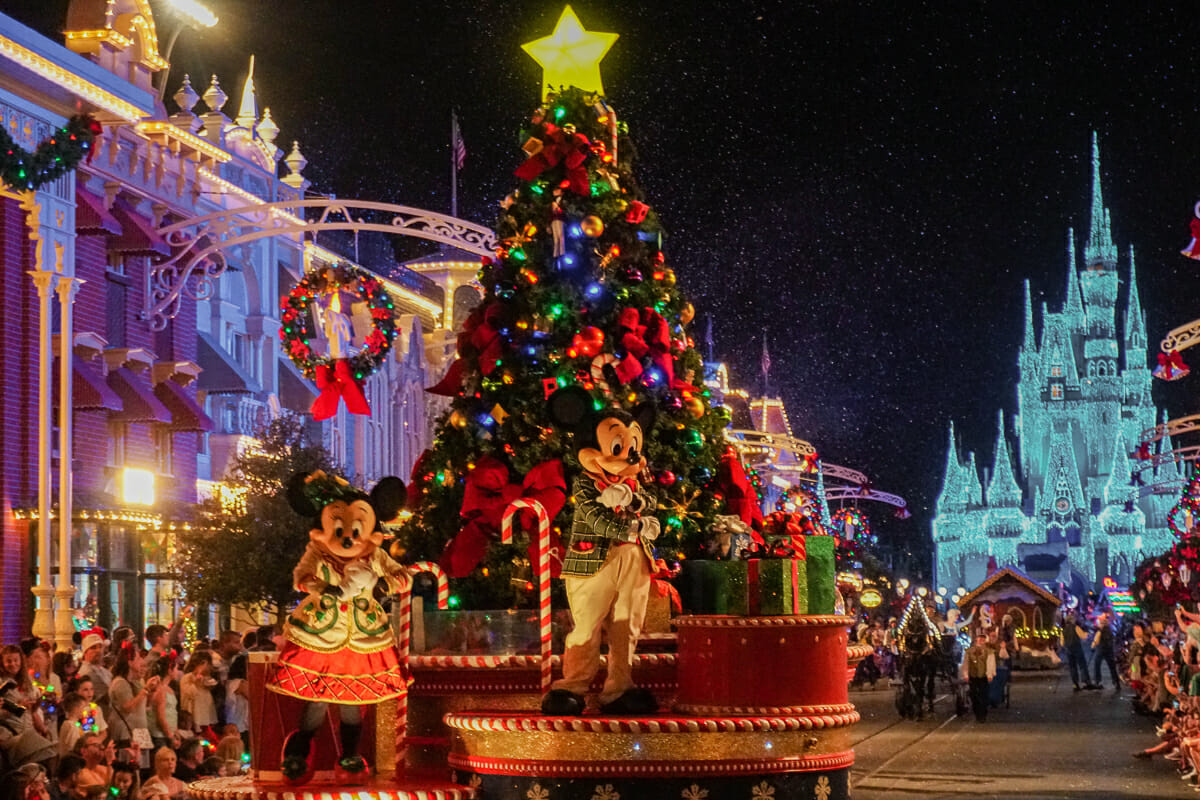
{"x": 777, "y": 587}
{"x": 658, "y": 613}
{"x": 715, "y": 587}
{"x": 820, "y": 567}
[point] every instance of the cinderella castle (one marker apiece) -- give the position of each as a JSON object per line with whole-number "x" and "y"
{"x": 1064, "y": 502}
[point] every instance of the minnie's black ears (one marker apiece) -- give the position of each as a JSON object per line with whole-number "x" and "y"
{"x": 387, "y": 498}
{"x": 296, "y": 496}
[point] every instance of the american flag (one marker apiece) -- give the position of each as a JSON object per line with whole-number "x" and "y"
{"x": 766, "y": 357}
{"x": 457, "y": 147}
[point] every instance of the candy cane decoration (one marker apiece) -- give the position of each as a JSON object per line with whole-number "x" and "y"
{"x": 443, "y": 585}
{"x": 506, "y": 536}
{"x": 404, "y": 637}
{"x": 598, "y": 365}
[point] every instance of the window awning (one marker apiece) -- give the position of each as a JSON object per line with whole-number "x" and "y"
{"x": 138, "y": 236}
{"x": 92, "y": 218}
{"x": 89, "y": 392}
{"x": 295, "y": 391}
{"x": 186, "y": 413}
{"x": 221, "y": 374}
{"x": 140, "y": 404}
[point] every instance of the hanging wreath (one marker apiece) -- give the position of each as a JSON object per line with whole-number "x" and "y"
{"x": 337, "y": 378}
{"x": 52, "y": 159}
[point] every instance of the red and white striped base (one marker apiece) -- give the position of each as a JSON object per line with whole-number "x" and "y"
{"x": 243, "y": 788}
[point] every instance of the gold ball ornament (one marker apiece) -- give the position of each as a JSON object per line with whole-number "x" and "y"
{"x": 695, "y": 407}
{"x": 592, "y": 226}
{"x": 669, "y": 277}
{"x": 687, "y": 313}
{"x": 458, "y": 419}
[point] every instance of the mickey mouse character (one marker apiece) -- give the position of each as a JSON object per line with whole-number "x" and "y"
{"x": 609, "y": 556}
{"x": 340, "y": 648}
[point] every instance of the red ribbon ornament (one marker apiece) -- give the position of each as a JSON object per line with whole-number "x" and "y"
{"x": 740, "y": 496}
{"x": 480, "y": 333}
{"x": 336, "y": 382}
{"x": 488, "y": 492}
{"x": 560, "y": 147}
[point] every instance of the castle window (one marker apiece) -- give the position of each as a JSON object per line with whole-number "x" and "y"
{"x": 1056, "y": 391}
{"x": 1101, "y": 369}
{"x": 1056, "y": 371}
{"x": 1091, "y": 369}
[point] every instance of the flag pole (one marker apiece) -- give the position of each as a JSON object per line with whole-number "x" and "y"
{"x": 453, "y": 163}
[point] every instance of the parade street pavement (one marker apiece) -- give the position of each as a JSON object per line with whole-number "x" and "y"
{"x": 1050, "y": 744}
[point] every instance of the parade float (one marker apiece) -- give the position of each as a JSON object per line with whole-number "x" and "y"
{"x": 577, "y": 369}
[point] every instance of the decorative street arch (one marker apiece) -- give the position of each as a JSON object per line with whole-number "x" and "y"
{"x": 766, "y": 448}
{"x": 197, "y": 244}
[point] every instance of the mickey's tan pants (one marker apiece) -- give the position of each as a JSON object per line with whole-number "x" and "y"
{"x": 612, "y": 601}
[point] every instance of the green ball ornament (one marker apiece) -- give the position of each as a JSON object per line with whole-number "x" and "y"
{"x": 692, "y": 442}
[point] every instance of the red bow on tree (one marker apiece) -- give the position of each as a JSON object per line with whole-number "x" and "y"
{"x": 488, "y": 492}
{"x": 481, "y": 335}
{"x": 560, "y": 147}
{"x": 645, "y": 334}
{"x": 740, "y": 497}
{"x": 336, "y": 382}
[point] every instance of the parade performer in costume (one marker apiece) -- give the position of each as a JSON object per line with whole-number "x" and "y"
{"x": 609, "y": 557}
{"x": 339, "y": 647}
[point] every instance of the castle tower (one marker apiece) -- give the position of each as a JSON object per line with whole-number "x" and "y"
{"x": 1083, "y": 401}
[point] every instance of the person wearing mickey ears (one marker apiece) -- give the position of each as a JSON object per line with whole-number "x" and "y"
{"x": 339, "y": 648}
{"x": 609, "y": 555}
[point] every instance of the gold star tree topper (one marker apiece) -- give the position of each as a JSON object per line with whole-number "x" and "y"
{"x": 570, "y": 56}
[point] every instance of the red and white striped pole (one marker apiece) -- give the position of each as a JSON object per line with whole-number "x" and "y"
{"x": 439, "y": 574}
{"x": 543, "y": 541}
{"x": 404, "y": 637}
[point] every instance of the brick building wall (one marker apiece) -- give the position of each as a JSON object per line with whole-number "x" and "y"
{"x": 18, "y": 400}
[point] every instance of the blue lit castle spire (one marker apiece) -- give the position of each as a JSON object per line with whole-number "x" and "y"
{"x": 1061, "y": 501}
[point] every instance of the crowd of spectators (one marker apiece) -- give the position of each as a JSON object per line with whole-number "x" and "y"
{"x": 136, "y": 718}
{"x": 1163, "y": 668}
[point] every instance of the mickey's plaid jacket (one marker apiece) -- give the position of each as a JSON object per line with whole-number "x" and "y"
{"x": 595, "y": 528}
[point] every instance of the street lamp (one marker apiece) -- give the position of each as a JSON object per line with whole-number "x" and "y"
{"x": 192, "y": 14}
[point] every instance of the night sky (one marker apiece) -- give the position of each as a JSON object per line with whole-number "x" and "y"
{"x": 869, "y": 181}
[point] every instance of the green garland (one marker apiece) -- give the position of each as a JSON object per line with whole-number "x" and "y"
{"x": 53, "y": 158}
{"x": 297, "y": 334}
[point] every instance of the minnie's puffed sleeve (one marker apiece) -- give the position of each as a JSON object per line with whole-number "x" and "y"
{"x": 312, "y": 574}
{"x": 395, "y": 575}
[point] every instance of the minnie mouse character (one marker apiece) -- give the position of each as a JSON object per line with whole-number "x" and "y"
{"x": 339, "y": 645}
{"x": 609, "y": 556}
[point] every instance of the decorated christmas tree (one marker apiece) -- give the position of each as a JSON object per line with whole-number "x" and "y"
{"x": 581, "y": 293}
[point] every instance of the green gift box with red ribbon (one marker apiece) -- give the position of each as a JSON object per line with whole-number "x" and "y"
{"x": 777, "y": 587}
{"x": 803, "y": 583}
{"x": 820, "y": 566}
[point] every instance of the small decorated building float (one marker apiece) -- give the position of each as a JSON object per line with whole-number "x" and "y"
{"x": 1010, "y": 592}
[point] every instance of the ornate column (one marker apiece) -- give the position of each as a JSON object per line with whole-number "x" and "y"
{"x": 64, "y": 625}
{"x": 43, "y": 618}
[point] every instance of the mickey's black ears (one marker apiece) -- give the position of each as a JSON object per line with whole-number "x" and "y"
{"x": 387, "y": 498}
{"x": 296, "y": 497}
{"x": 644, "y": 415}
{"x": 571, "y": 409}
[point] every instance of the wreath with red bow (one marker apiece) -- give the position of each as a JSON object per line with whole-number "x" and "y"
{"x": 297, "y": 333}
